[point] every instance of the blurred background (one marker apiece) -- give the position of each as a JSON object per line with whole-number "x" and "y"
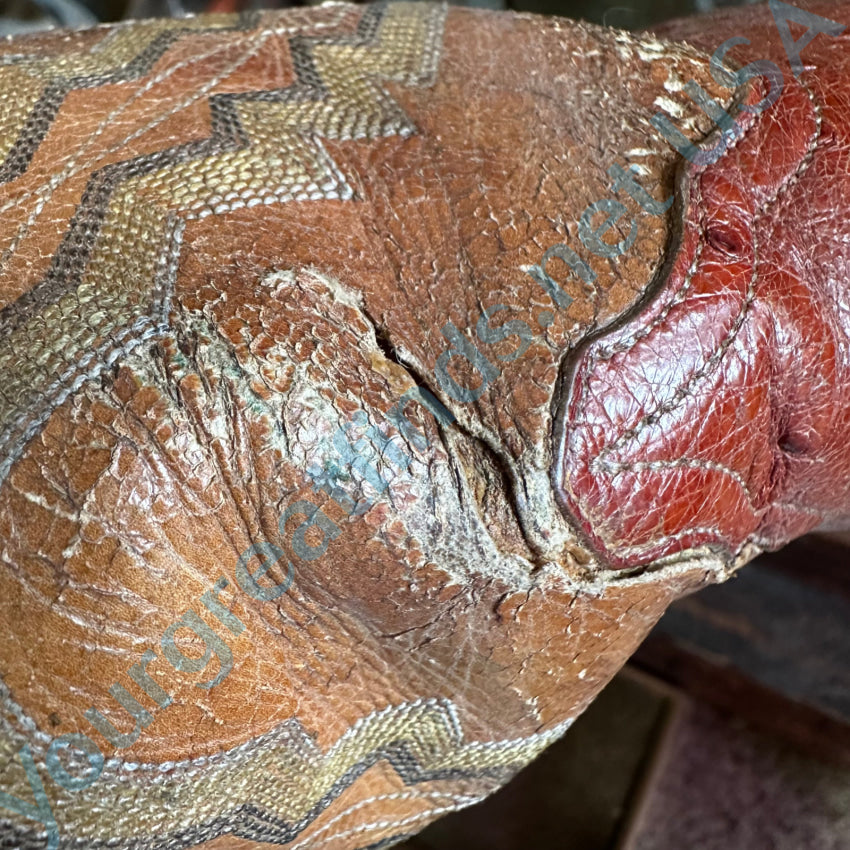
{"x": 730, "y": 728}
{"x": 16, "y": 15}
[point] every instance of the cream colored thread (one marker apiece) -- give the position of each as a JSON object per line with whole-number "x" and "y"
{"x": 50, "y": 186}
{"x": 437, "y": 795}
{"x": 717, "y": 355}
{"x": 71, "y": 169}
{"x": 686, "y": 462}
{"x": 387, "y": 824}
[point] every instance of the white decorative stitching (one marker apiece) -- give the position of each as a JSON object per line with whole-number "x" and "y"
{"x": 682, "y": 462}
{"x": 387, "y": 824}
{"x": 462, "y": 799}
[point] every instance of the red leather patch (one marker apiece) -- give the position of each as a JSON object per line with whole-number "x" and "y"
{"x": 720, "y": 414}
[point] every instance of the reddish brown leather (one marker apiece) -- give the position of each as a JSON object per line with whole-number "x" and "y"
{"x": 719, "y": 415}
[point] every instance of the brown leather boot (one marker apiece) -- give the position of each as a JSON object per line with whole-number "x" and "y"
{"x": 371, "y": 380}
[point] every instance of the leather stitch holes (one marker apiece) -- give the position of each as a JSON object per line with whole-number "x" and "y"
{"x": 704, "y": 371}
{"x": 681, "y": 393}
{"x": 681, "y": 463}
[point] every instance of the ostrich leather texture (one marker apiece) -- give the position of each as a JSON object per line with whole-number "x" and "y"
{"x": 719, "y": 416}
{"x": 348, "y": 445}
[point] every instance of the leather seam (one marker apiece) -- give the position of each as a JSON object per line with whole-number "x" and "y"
{"x": 716, "y": 356}
{"x": 640, "y": 548}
